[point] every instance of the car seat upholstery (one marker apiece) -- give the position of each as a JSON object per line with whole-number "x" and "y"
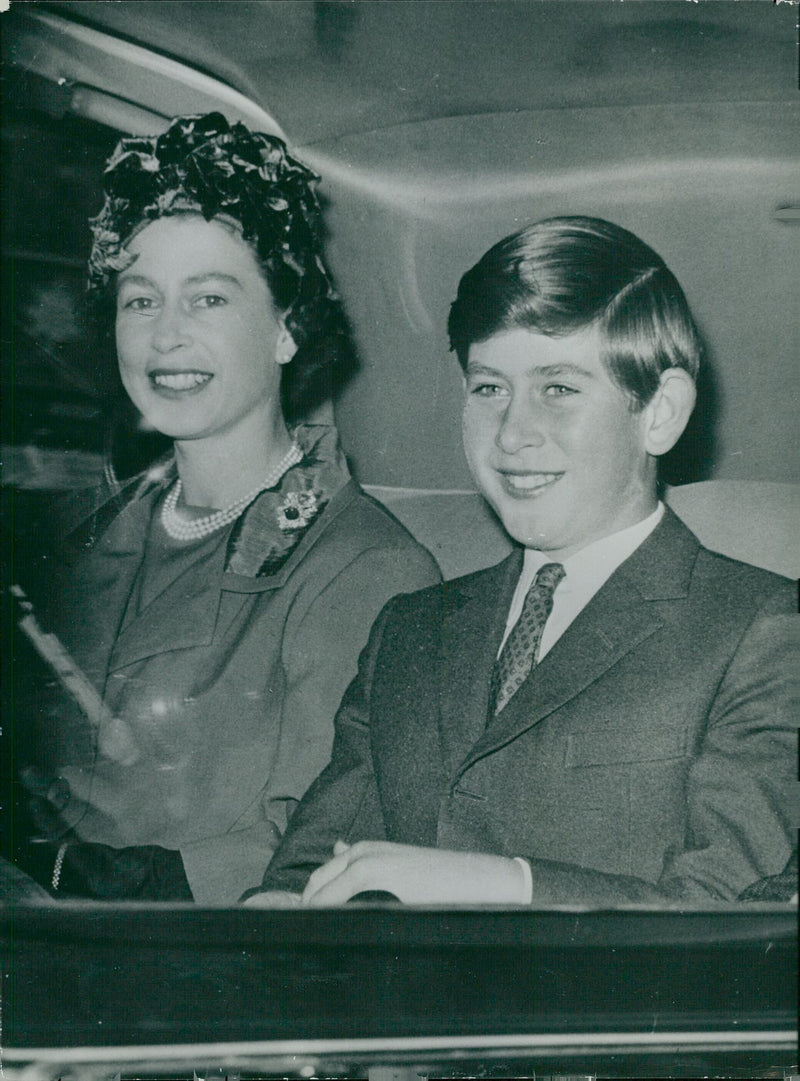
{"x": 757, "y": 522}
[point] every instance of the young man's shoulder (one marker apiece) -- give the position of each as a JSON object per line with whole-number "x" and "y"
{"x": 751, "y": 585}
{"x": 714, "y": 579}
{"x": 451, "y": 593}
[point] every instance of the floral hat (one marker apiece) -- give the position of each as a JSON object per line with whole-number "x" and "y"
{"x": 206, "y": 164}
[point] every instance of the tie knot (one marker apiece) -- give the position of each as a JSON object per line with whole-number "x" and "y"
{"x": 538, "y": 601}
{"x": 540, "y": 595}
{"x": 549, "y": 576}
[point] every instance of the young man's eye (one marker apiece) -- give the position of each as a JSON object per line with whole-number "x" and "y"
{"x": 559, "y": 390}
{"x": 486, "y": 390}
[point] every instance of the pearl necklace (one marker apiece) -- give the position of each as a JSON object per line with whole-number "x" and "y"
{"x": 183, "y": 529}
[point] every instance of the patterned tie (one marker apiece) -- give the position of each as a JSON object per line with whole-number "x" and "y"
{"x": 517, "y": 656}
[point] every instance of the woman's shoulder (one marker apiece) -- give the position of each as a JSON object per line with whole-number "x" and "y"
{"x": 363, "y": 521}
{"x": 84, "y": 515}
{"x": 355, "y": 538}
{"x": 362, "y": 556}
{"x": 320, "y": 520}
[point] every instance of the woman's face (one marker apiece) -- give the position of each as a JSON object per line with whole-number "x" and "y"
{"x": 197, "y": 334}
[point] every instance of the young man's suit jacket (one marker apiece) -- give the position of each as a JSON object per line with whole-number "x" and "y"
{"x": 651, "y": 756}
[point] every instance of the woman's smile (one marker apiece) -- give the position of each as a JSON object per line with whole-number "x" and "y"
{"x": 197, "y": 332}
{"x": 176, "y": 384}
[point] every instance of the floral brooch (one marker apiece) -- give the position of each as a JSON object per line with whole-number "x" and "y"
{"x": 296, "y": 510}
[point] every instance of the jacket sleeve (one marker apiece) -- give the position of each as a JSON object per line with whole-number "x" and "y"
{"x": 343, "y": 802}
{"x": 319, "y": 658}
{"x": 741, "y": 791}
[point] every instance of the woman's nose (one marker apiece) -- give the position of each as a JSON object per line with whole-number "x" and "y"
{"x": 521, "y": 425}
{"x": 171, "y": 329}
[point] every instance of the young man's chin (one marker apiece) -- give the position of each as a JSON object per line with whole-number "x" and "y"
{"x": 530, "y": 534}
{"x": 529, "y": 517}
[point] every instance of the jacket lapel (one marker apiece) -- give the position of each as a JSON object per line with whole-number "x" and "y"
{"x": 110, "y": 573}
{"x": 160, "y": 628}
{"x": 616, "y": 620}
{"x": 241, "y": 574}
{"x": 476, "y": 608}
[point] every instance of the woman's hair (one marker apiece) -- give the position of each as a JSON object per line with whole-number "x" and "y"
{"x": 204, "y": 165}
{"x": 562, "y": 275}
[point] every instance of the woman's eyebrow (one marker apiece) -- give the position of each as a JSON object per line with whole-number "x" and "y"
{"x": 134, "y": 279}
{"x": 194, "y": 279}
{"x": 213, "y": 275}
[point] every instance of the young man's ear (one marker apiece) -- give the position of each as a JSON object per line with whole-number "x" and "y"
{"x": 285, "y": 346}
{"x": 668, "y": 411}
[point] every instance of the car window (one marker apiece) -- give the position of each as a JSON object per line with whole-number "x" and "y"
{"x": 53, "y": 423}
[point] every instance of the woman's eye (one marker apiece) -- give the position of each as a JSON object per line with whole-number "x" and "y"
{"x": 210, "y": 300}
{"x": 139, "y": 304}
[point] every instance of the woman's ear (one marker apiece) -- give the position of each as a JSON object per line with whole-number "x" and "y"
{"x": 668, "y": 411}
{"x": 285, "y": 346}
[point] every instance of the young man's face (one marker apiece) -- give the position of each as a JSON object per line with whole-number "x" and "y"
{"x": 552, "y": 442}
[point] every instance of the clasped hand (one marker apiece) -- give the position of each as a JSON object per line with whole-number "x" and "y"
{"x": 415, "y": 875}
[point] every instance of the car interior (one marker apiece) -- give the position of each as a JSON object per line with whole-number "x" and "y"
{"x": 436, "y": 127}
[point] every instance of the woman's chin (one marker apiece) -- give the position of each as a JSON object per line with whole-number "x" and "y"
{"x": 176, "y": 423}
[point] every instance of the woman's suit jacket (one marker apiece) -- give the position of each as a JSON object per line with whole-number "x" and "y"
{"x": 651, "y": 755}
{"x": 221, "y": 693}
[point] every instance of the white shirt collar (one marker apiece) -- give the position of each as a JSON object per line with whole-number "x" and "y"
{"x": 586, "y": 572}
{"x": 598, "y": 560}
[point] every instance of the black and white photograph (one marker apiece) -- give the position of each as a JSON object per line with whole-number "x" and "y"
{"x": 400, "y": 539}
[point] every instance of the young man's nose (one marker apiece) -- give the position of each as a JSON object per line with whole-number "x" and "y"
{"x": 521, "y": 425}
{"x": 171, "y": 329}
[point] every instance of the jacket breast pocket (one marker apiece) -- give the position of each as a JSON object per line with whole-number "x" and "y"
{"x": 621, "y": 746}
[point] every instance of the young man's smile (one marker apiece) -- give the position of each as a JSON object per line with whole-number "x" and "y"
{"x": 553, "y": 442}
{"x": 527, "y": 485}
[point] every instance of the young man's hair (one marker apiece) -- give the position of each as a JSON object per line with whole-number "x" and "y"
{"x": 566, "y": 274}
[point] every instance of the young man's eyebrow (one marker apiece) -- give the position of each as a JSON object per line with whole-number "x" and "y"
{"x": 481, "y": 369}
{"x": 545, "y": 371}
{"x": 550, "y": 371}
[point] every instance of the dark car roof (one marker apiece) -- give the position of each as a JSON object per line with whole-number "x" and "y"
{"x": 330, "y": 69}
